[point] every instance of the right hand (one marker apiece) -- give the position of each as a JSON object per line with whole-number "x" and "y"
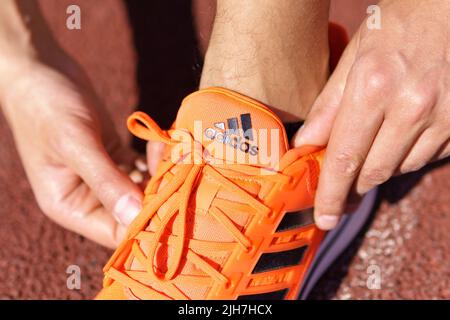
{"x": 67, "y": 144}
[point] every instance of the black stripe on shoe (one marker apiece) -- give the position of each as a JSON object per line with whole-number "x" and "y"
{"x": 293, "y": 220}
{"x": 278, "y": 260}
{"x": 274, "y": 295}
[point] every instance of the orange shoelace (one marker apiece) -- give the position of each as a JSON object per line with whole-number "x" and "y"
{"x": 176, "y": 195}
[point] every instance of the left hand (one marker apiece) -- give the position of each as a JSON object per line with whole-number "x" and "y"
{"x": 386, "y": 108}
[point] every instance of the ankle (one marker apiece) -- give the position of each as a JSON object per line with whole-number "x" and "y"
{"x": 289, "y": 89}
{"x": 283, "y": 62}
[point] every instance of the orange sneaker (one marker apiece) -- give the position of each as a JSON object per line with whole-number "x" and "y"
{"x": 228, "y": 215}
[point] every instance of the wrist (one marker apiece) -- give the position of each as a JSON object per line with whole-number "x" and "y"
{"x": 25, "y": 44}
{"x": 24, "y": 37}
{"x": 287, "y": 88}
{"x": 15, "y": 40}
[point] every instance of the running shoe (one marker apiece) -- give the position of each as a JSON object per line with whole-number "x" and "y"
{"x": 228, "y": 213}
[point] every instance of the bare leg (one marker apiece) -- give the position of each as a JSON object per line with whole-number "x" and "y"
{"x": 289, "y": 94}
{"x": 204, "y": 12}
{"x": 347, "y": 13}
{"x": 275, "y": 52}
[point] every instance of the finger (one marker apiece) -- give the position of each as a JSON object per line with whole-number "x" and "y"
{"x": 72, "y": 204}
{"x": 360, "y": 117}
{"x": 427, "y": 148}
{"x": 319, "y": 121}
{"x": 444, "y": 106}
{"x": 444, "y": 151}
{"x": 155, "y": 152}
{"x": 82, "y": 212}
{"x": 426, "y": 105}
{"x": 100, "y": 227}
{"x": 393, "y": 142}
{"x": 112, "y": 186}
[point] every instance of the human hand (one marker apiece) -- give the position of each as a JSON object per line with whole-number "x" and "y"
{"x": 386, "y": 108}
{"x": 67, "y": 145}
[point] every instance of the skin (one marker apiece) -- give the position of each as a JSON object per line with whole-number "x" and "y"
{"x": 386, "y": 108}
{"x": 62, "y": 131}
{"x": 256, "y": 47}
{"x": 379, "y": 99}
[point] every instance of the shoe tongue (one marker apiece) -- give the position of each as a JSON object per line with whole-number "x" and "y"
{"x": 233, "y": 128}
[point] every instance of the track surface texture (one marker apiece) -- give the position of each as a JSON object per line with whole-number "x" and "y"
{"x": 407, "y": 239}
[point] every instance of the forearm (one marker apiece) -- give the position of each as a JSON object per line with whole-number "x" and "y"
{"x": 15, "y": 36}
{"x": 25, "y": 35}
{"x": 24, "y": 39}
{"x": 273, "y": 51}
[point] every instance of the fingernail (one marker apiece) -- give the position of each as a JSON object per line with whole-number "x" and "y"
{"x": 126, "y": 209}
{"x": 327, "y": 222}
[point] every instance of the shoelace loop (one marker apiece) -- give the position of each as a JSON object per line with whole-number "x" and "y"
{"x": 181, "y": 186}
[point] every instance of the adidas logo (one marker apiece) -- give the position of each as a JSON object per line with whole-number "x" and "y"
{"x": 229, "y": 133}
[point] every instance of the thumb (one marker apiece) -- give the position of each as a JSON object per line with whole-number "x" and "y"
{"x": 319, "y": 122}
{"x": 155, "y": 151}
{"x": 117, "y": 193}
